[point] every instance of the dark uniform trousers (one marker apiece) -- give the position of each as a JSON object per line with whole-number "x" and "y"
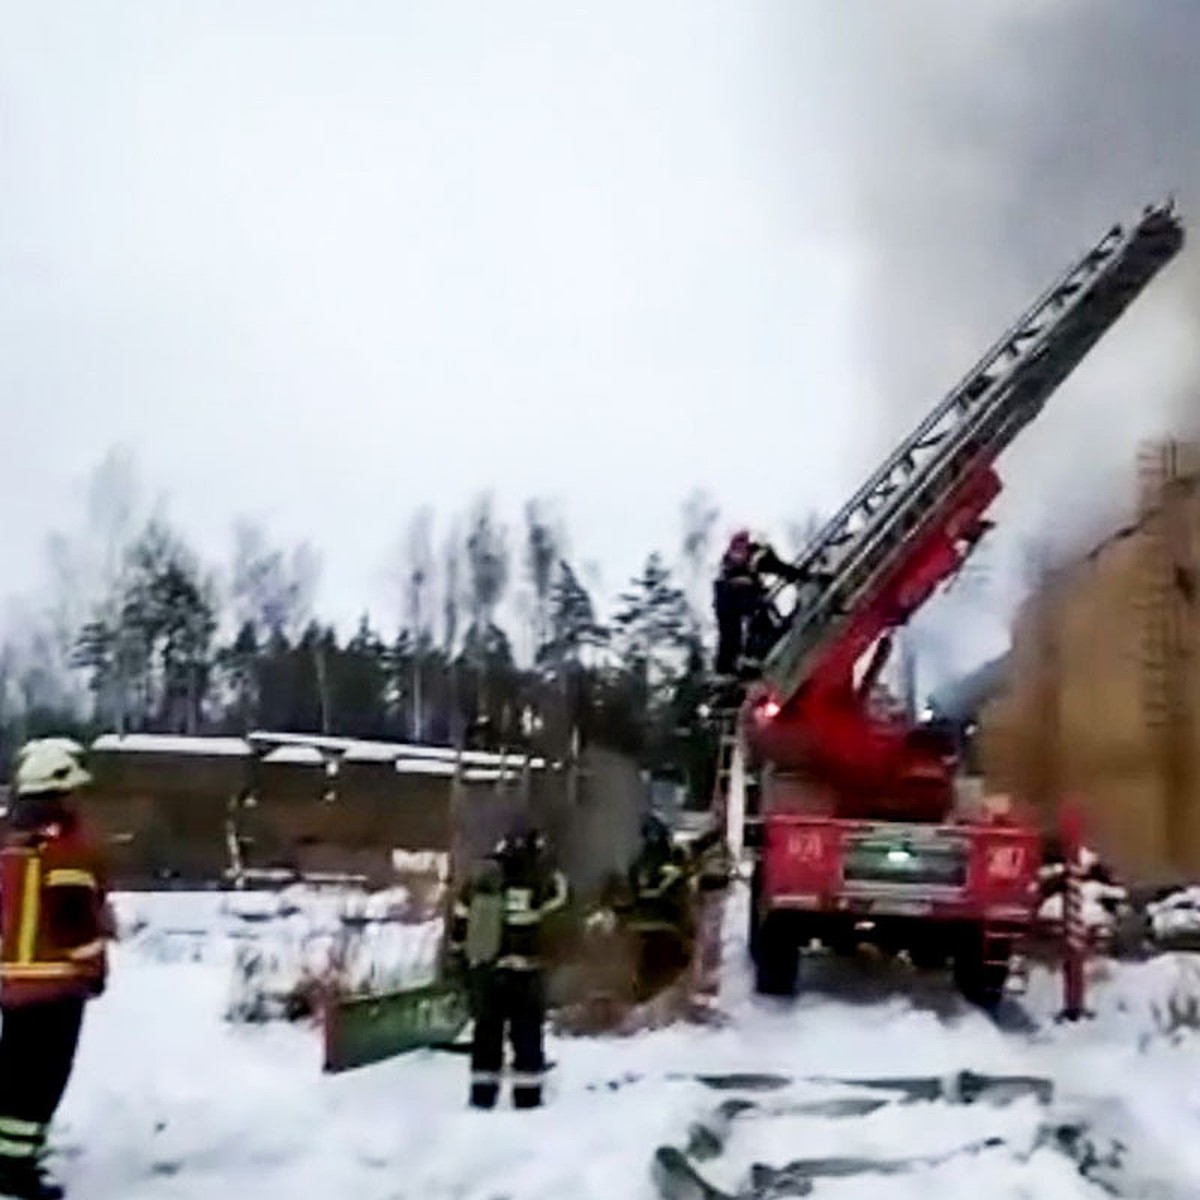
{"x": 37, "y": 1051}
{"x": 512, "y": 1001}
{"x": 746, "y": 623}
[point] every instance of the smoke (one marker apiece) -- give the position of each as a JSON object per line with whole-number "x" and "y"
{"x": 984, "y": 147}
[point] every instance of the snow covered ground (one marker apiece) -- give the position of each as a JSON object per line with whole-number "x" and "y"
{"x": 171, "y": 1101}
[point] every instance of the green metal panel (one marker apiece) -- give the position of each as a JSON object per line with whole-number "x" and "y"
{"x": 367, "y": 1029}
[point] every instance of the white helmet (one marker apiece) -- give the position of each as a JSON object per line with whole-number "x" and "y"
{"x": 50, "y": 765}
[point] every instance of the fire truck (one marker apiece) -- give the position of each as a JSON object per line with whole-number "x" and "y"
{"x": 853, "y": 818}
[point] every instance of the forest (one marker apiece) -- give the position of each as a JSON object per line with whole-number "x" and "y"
{"x": 495, "y": 637}
{"x": 501, "y": 643}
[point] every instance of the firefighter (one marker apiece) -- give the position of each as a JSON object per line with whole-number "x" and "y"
{"x": 54, "y": 921}
{"x": 746, "y": 624}
{"x": 658, "y": 875}
{"x": 660, "y": 912}
{"x": 497, "y": 939}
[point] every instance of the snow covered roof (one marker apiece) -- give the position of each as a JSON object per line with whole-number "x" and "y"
{"x": 301, "y": 755}
{"x": 358, "y": 750}
{"x": 156, "y": 743}
{"x": 302, "y": 749}
{"x": 424, "y": 766}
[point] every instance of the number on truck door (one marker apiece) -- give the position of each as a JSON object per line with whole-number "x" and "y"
{"x": 1006, "y": 862}
{"x": 805, "y": 846}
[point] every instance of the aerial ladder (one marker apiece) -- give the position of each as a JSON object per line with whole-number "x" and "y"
{"x": 807, "y": 724}
{"x": 914, "y": 522}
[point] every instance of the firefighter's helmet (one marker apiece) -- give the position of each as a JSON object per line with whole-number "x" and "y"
{"x": 522, "y": 840}
{"x": 50, "y": 765}
{"x": 740, "y": 542}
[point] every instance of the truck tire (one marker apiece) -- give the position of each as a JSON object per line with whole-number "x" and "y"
{"x": 979, "y": 983}
{"x": 778, "y": 960}
{"x": 754, "y": 923}
{"x": 928, "y": 955}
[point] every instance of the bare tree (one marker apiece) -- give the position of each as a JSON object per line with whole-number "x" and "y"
{"x": 488, "y": 564}
{"x": 86, "y": 569}
{"x": 487, "y": 561}
{"x": 699, "y": 519}
{"x": 451, "y": 588}
{"x": 451, "y": 604}
{"x": 543, "y": 547}
{"x": 420, "y": 577}
{"x": 271, "y": 589}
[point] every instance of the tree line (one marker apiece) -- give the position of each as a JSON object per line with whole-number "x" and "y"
{"x": 142, "y": 635}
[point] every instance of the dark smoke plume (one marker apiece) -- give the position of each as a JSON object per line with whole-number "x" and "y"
{"x": 988, "y": 145}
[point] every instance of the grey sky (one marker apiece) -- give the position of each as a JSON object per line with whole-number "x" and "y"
{"x": 323, "y": 263}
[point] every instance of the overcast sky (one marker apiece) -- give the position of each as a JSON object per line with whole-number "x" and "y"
{"x": 322, "y": 263}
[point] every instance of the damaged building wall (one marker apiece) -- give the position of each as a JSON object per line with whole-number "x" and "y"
{"x": 1103, "y": 695}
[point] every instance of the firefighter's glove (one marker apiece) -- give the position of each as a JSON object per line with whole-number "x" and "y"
{"x": 602, "y": 921}
{"x": 88, "y": 952}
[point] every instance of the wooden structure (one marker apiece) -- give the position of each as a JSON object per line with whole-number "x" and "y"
{"x": 1103, "y": 692}
{"x": 198, "y": 812}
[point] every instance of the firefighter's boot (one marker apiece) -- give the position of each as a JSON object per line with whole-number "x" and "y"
{"x": 22, "y": 1148}
{"x": 527, "y": 1093}
{"x": 484, "y": 1092}
{"x": 26, "y": 1180}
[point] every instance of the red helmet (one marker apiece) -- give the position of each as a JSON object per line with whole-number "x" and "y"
{"x": 739, "y": 546}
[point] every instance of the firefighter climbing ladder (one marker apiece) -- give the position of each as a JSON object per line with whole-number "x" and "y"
{"x": 967, "y": 430}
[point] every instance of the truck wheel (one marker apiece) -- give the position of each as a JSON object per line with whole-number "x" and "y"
{"x": 928, "y": 956}
{"x": 754, "y": 924}
{"x": 842, "y": 945}
{"x": 979, "y": 982}
{"x": 778, "y": 961}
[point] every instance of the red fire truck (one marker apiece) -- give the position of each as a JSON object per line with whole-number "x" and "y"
{"x": 850, "y": 814}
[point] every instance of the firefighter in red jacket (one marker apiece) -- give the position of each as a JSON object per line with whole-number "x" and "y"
{"x": 55, "y": 919}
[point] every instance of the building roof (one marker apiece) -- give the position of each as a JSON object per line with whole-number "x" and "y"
{"x": 302, "y": 749}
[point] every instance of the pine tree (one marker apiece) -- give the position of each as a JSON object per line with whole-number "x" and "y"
{"x": 149, "y": 650}
{"x": 358, "y": 684}
{"x": 654, "y": 634}
{"x": 541, "y": 559}
{"x": 240, "y": 670}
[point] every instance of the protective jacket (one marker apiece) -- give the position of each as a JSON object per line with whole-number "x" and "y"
{"x": 710, "y": 860}
{"x": 54, "y": 910}
{"x": 499, "y": 914}
{"x": 661, "y": 891}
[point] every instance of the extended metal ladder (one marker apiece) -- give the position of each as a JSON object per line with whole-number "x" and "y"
{"x": 1001, "y": 394}
{"x": 730, "y": 785}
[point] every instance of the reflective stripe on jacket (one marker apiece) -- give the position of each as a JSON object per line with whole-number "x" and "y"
{"x": 526, "y": 905}
{"x": 53, "y": 918}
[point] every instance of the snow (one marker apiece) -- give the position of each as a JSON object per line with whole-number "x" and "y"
{"x": 308, "y": 756}
{"x": 1176, "y": 916}
{"x": 420, "y": 766}
{"x": 156, "y": 743}
{"x": 171, "y": 1101}
{"x": 305, "y": 749}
